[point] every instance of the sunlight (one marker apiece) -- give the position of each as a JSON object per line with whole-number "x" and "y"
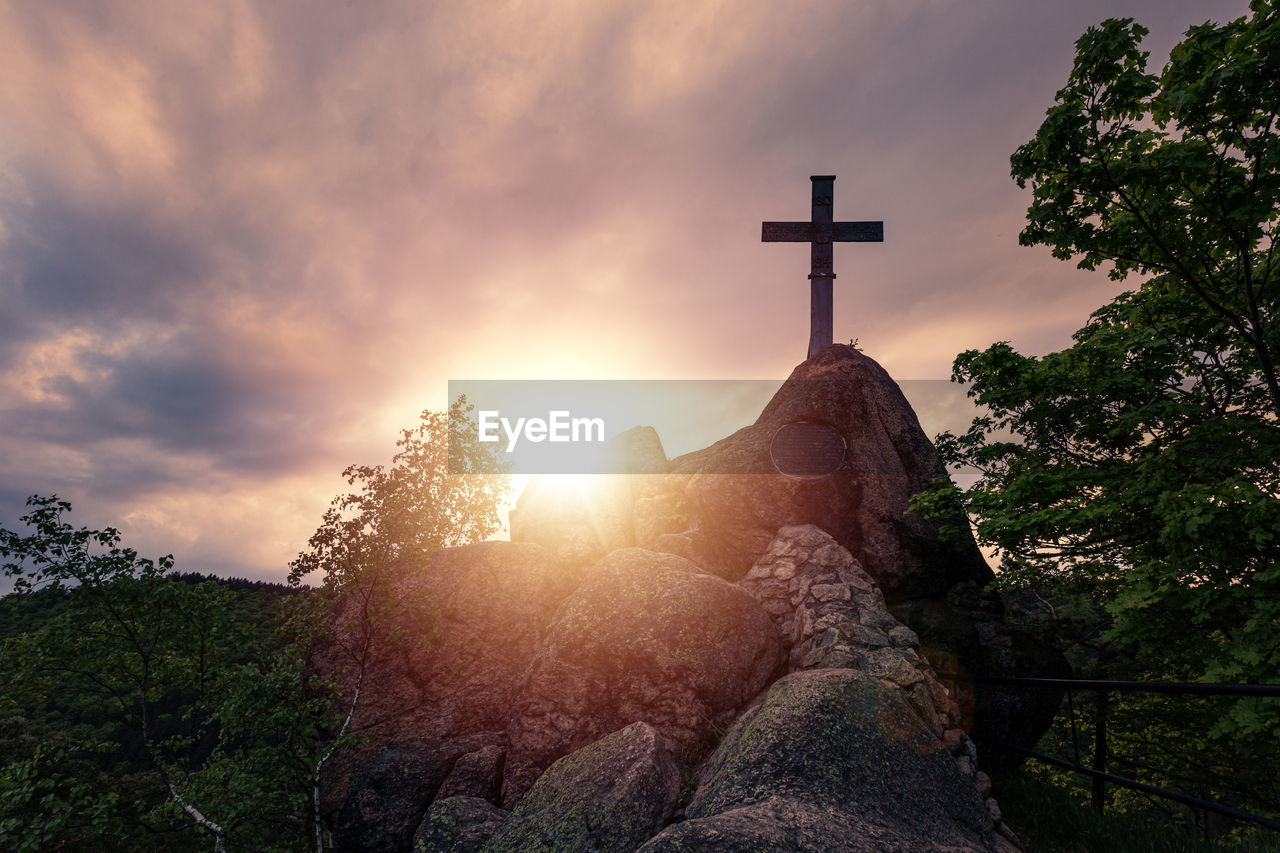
{"x": 568, "y": 492}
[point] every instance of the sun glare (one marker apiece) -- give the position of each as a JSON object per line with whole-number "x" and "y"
{"x": 561, "y": 489}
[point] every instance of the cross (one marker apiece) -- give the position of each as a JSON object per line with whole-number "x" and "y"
{"x": 821, "y": 232}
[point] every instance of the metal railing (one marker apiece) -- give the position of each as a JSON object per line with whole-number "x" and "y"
{"x": 1097, "y": 772}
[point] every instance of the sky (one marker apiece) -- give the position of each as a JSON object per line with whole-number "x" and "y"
{"x": 243, "y": 244}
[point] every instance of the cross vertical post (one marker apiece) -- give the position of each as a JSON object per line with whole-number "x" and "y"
{"x": 820, "y": 232}
{"x": 821, "y": 275}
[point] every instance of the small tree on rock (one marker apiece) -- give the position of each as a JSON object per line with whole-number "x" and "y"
{"x": 439, "y": 491}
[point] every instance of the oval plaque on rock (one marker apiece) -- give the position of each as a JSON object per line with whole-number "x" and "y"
{"x": 807, "y": 449}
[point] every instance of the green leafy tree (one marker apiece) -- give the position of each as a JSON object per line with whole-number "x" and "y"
{"x": 149, "y": 708}
{"x": 1140, "y": 467}
{"x": 1145, "y": 464}
{"x": 1173, "y": 175}
{"x": 440, "y": 490}
{"x": 144, "y": 709}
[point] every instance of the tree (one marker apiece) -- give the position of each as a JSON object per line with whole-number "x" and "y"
{"x": 1139, "y": 468}
{"x": 438, "y": 492}
{"x": 1175, "y": 175}
{"x": 1142, "y": 464}
{"x": 149, "y": 706}
{"x": 143, "y": 706}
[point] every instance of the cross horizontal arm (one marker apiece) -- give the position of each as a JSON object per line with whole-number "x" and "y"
{"x": 810, "y": 232}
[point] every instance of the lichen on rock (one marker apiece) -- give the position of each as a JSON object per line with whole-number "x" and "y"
{"x": 832, "y": 759}
{"x": 611, "y": 795}
{"x": 457, "y": 825}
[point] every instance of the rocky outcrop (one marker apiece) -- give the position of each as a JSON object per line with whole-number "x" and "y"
{"x": 831, "y": 614}
{"x": 649, "y": 637}
{"x": 477, "y": 774}
{"x": 390, "y": 793}
{"x": 452, "y": 637}
{"x": 737, "y": 500}
{"x": 822, "y": 764}
{"x": 610, "y": 795}
{"x": 457, "y": 825}
{"x": 589, "y": 661}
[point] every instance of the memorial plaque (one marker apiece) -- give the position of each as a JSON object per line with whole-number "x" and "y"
{"x": 807, "y": 449}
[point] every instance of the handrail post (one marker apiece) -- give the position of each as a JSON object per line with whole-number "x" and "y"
{"x": 1075, "y": 735}
{"x": 1100, "y": 754}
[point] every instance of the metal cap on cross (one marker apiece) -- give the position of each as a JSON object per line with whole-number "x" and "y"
{"x": 820, "y": 232}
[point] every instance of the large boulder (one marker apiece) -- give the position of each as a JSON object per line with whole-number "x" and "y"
{"x": 451, "y": 639}
{"x": 737, "y": 500}
{"x": 830, "y": 613}
{"x": 391, "y": 791}
{"x": 477, "y": 774}
{"x": 610, "y": 795}
{"x": 646, "y": 637}
{"x": 832, "y": 759}
{"x": 457, "y": 825}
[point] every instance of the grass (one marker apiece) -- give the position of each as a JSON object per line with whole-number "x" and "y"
{"x": 1051, "y": 814}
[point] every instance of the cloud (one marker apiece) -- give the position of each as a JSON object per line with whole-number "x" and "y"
{"x": 241, "y": 244}
{"x": 71, "y": 263}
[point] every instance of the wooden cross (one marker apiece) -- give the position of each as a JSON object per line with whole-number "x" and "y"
{"x": 821, "y": 232}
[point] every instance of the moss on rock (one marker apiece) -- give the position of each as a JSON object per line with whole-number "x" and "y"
{"x": 457, "y": 825}
{"x": 830, "y": 761}
{"x": 608, "y": 796}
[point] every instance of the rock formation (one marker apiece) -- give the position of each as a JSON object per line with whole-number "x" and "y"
{"x": 830, "y": 614}
{"x": 832, "y": 759}
{"x": 648, "y": 637}
{"x": 394, "y": 789}
{"x": 737, "y": 500}
{"x": 458, "y": 825}
{"x": 455, "y": 634}
{"x": 783, "y": 663}
{"x": 613, "y": 794}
